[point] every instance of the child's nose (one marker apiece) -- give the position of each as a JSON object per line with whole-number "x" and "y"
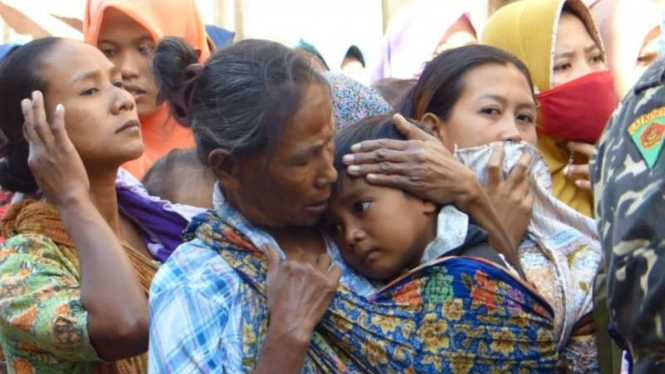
{"x": 354, "y": 236}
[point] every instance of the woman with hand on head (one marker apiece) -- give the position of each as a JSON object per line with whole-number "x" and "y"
{"x": 77, "y": 264}
{"x": 127, "y": 31}
{"x": 258, "y": 287}
{"x": 479, "y": 102}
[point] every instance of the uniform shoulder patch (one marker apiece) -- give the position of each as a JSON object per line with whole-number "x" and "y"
{"x": 648, "y": 134}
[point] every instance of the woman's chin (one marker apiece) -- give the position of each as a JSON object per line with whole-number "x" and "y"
{"x": 145, "y": 109}
{"x": 133, "y": 152}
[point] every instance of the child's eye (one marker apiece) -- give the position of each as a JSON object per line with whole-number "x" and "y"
{"x": 362, "y": 205}
{"x": 118, "y": 84}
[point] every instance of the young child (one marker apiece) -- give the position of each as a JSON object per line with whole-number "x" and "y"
{"x": 181, "y": 178}
{"x": 382, "y": 232}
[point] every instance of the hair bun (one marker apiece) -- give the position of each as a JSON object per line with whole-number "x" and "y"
{"x": 177, "y": 69}
{"x": 15, "y": 174}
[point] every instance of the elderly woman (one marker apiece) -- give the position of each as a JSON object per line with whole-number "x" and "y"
{"x": 257, "y": 289}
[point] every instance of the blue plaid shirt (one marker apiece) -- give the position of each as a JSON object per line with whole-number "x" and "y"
{"x": 196, "y": 307}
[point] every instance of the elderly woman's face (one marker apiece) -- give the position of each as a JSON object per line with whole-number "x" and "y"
{"x": 291, "y": 187}
{"x": 100, "y": 116}
{"x": 496, "y": 104}
{"x": 576, "y": 54}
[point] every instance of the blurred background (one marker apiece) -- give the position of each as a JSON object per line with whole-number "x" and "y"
{"x": 332, "y": 26}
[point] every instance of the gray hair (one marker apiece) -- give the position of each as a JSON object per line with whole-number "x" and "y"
{"x": 243, "y": 98}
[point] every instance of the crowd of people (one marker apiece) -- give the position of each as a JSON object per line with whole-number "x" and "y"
{"x": 175, "y": 205}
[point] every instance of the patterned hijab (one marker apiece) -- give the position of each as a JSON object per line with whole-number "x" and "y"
{"x": 353, "y": 101}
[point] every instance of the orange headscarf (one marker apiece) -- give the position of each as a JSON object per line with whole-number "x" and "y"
{"x": 179, "y": 18}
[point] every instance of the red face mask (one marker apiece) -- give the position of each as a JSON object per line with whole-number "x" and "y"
{"x": 578, "y": 110}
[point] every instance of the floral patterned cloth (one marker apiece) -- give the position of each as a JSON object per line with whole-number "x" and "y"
{"x": 353, "y": 101}
{"x": 454, "y": 315}
{"x": 560, "y": 255}
{"x": 43, "y": 323}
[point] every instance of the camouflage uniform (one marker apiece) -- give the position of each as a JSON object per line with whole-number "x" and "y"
{"x": 628, "y": 178}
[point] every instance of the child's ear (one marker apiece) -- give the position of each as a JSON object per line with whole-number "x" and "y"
{"x": 435, "y": 124}
{"x": 429, "y": 207}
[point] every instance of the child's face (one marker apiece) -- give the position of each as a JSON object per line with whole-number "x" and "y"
{"x": 380, "y": 231}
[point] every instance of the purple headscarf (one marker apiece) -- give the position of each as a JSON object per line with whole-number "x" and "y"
{"x": 413, "y": 36}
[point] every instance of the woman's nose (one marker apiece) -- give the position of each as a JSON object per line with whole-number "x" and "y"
{"x": 122, "y": 101}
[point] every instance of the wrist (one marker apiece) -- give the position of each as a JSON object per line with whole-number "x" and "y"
{"x": 296, "y": 337}
{"x": 472, "y": 197}
{"x": 72, "y": 200}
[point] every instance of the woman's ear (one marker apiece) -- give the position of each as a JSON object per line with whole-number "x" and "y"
{"x": 435, "y": 124}
{"x": 224, "y": 166}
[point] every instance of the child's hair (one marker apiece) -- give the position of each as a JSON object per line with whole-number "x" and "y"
{"x": 370, "y": 128}
{"x": 163, "y": 178}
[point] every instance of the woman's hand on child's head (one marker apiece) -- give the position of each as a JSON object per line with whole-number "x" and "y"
{"x": 421, "y": 165}
{"x": 580, "y": 172}
{"x": 299, "y": 290}
{"x": 511, "y": 198}
{"x": 53, "y": 160}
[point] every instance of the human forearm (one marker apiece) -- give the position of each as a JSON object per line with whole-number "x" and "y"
{"x": 283, "y": 351}
{"x": 110, "y": 290}
{"x": 479, "y": 207}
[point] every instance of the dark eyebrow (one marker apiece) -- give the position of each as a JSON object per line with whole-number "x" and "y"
{"x": 137, "y": 40}
{"x": 143, "y": 38}
{"x": 527, "y": 105}
{"x": 588, "y": 49}
{"x": 564, "y": 55}
{"x": 356, "y": 193}
{"x": 591, "y": 48}
{"x": 309, "y": 150}
{"x": 312, "y": 148}
{"x": 93, "y": 74}
{"x": 498, "y": 98}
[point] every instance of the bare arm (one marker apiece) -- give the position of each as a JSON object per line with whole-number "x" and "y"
{"x": 110, "y": 291}
{"x": 299, "y": 291}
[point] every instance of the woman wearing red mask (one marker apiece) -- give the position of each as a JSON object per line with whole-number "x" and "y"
{"x": 560, "y": 44}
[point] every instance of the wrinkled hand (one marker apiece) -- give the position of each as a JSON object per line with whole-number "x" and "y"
{"x": 421, "y": 165}
{"x": 580, "y": 172}
{"x": 53, "y": 160}
{"x": 299, "y": 290}
{"x": 511, "y": 198}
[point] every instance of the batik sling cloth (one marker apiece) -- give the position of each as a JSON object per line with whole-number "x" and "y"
{"x": 454, "y": 315}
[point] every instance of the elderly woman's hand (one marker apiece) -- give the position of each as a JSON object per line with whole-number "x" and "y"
{"x": 53, "y": 160}
{"x": 511, "y": 198}
{"x": 421, "y": 165}
{"x": 580, "y": 172}
{"x": 299, "y": 290}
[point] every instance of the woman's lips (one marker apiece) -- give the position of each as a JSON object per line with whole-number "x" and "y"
{"x": 136, "y": 91}
{"x": 318, "y": 207}
{"x": 132, "y": 123}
